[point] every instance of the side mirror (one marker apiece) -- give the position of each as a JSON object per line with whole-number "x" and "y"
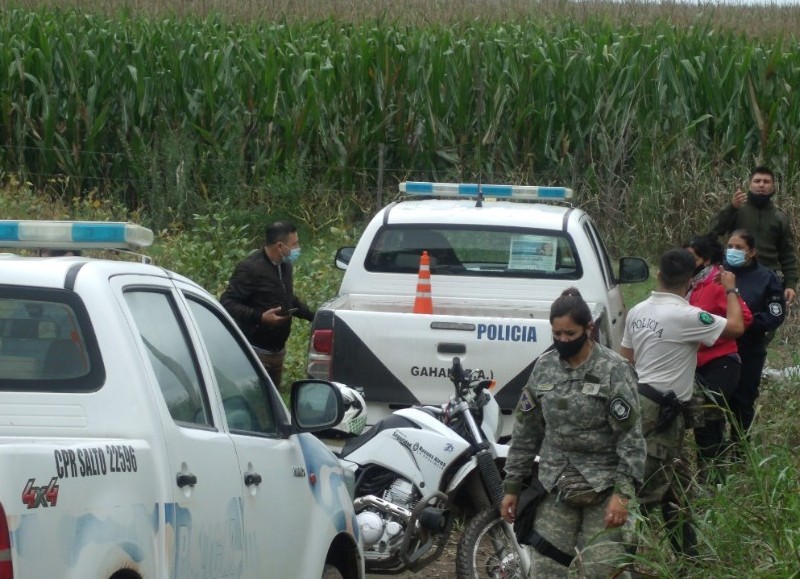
{"x": 343, "y": 257}
{"x": 316, "y": 405}
{"x": 633, "y": 270}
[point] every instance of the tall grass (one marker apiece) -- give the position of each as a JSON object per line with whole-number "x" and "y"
{"x": 169, "y": 113}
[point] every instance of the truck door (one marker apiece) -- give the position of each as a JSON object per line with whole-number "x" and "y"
{"x": 277, "y": 498}
{"x": 616, "y": 307}
{"x": 206, "y": 517}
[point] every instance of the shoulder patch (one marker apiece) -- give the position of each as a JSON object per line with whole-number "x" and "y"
{"x": 705, "y": 318}
{"x": 775, "y": 309}
{"x": 619, "y": 409}
{"x": 526, "y": 403}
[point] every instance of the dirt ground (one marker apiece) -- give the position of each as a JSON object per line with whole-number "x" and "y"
{"x": 443, "y": 567}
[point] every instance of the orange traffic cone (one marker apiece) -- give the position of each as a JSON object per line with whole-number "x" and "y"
{"x": 423, "y": 303}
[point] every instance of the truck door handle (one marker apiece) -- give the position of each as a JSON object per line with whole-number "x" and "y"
{"x": 252, "y": 478}
{"x": 186, "y": 479}
{"x": 451, "y": 348}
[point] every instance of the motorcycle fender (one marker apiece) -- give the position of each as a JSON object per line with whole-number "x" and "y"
{"x": 500, "y": 450}
{"x": 462, "y": 474}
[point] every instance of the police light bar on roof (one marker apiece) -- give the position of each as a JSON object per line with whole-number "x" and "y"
{"x": 76, "y": 235}
{"x": 462, "y": 190}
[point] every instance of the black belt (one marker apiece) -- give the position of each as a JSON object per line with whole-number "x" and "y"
{"x": 669, "y": 405}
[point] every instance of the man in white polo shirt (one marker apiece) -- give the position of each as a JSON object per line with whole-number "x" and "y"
{"x": 662, "y": 335}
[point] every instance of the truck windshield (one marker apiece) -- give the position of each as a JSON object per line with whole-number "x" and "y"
{"x": 42, "y": 346}
{"x": 500, "y": 252}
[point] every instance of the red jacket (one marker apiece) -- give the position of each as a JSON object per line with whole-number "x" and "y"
{"x": 709, "y": 295}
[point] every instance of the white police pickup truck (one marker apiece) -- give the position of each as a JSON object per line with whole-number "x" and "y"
{"x": 139, "y": 435}
{"x": 495, "y": 268}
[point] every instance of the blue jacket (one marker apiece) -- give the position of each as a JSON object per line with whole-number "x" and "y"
{"x": 762, "y": 291}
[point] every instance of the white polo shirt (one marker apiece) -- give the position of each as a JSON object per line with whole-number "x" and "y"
{"x": 664, "y": 332}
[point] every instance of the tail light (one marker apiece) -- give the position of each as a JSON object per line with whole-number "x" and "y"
{"x": 322, "y": 341}
{"x": 6, "y": 568}
{"x": 319, "y": 354}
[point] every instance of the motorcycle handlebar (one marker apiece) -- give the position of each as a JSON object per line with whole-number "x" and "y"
{"x": 456, "y": 371}
{"x": 463, "y": 379}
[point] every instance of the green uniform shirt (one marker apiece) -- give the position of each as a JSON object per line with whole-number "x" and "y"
{"x": 586, "y": 416}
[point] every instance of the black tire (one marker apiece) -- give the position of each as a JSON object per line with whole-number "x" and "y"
{"x": 488, "y": 549}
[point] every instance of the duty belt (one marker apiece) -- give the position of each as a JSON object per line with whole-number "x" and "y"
{"x": 669, "y": 405}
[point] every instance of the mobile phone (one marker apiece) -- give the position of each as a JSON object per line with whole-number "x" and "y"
{"x": 285, "y": 312}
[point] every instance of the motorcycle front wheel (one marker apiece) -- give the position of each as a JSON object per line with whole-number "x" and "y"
{"x": 489, "y": 549}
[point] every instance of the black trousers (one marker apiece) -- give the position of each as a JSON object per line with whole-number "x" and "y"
{"x": 744, "y": 397}
{"x": 722, "y": 377}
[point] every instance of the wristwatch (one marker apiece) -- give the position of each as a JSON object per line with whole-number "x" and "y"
{"x": 733, "y": 290}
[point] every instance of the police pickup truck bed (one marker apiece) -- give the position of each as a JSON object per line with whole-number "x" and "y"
{"x": 139, "y": 435}
{"x": 495, "y": 268}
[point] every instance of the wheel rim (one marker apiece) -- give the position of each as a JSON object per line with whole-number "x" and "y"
{"x": 496, "y": 555}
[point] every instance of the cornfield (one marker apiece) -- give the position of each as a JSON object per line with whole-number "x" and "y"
{"x": 173, "y": 111}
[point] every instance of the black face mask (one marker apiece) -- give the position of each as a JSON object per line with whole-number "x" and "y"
{"x": 758, "y": 200}
{"x": 567, "y": 350}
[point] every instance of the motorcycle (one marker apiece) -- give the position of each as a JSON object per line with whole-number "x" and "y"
{"x": 422, "y": 468}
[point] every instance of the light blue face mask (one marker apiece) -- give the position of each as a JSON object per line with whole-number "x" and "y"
{"x": 735, "y": 257}
{"x": 293, "y": 255}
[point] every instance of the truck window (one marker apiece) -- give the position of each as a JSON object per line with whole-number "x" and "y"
{"x": 245, "y": 395}
{"x": 170, "y": 355}
{"x": 473, "y": 251}
{"x": 43, "y": 345}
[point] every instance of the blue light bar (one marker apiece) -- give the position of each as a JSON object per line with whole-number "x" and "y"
{"x": 76, "y": 235}
{"x": 456, "y": 190}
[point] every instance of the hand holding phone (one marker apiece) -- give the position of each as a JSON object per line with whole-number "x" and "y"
{"x": 287, "y": 312}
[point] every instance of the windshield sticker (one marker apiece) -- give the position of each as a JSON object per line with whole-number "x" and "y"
{"x": 533, "y": 252}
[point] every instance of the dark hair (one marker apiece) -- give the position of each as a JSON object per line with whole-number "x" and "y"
{"x": 570, "y": 303}
{"x": 278, "y": 231}
{"x": 707, "y": 247}
{"x": 676, "y": 268}
{"x": 762, "y": 170}
{"x": 746, "y": 235}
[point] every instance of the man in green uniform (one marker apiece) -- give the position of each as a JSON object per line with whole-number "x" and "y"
{"x": 756, "y": 212}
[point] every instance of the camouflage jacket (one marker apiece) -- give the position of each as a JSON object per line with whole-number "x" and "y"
{"x": 587, "y": 416}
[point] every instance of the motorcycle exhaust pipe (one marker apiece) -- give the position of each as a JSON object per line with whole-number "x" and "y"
{"x": 434, "y": 519}
{"x": 361, "y": 503}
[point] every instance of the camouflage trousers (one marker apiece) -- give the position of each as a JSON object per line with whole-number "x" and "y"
{"x": 667, "y": 479}
{"x": 578, "y": 531}
{"x": 662, "y": 476}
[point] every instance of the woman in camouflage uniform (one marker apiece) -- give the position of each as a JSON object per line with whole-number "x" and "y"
{"x": 580, "y": 413}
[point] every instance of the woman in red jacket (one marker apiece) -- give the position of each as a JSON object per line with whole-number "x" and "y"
{"x": 718, "y": 366}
